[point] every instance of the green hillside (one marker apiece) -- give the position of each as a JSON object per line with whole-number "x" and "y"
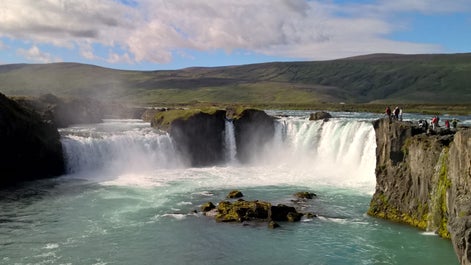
{"x": 378, "y": 78}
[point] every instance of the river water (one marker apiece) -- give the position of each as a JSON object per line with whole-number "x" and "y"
{"x": 129, "y": 198}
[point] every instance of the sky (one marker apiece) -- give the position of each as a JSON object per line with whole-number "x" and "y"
{"x": 175, "y": 34}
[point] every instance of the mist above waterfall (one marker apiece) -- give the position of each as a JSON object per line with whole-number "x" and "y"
{"x": 118, "y": 146}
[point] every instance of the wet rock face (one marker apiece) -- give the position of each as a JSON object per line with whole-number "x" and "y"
{"x": 200, "y": 138}
{"x": 425, "y": 181}
{"x": 30, "y": 147}
{"x": 459, "y": 194}
{"x": 253, "y": 130}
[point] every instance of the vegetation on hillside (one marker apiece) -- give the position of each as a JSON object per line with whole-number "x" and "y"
{"x": 374, "y": 79}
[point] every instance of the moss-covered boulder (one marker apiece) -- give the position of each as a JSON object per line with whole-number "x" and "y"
{"x": 30, "y": 147}
{"x": 273, "y": 225}
{"x": 235, "y": 194}
{"x": 241, "y": 211}
{"x": 206, "y": 207}
{"x": 294, "y": 216}
{"x": 305, "y": 195}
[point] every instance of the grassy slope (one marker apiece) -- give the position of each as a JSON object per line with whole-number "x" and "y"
{"x": 368, "y": 79}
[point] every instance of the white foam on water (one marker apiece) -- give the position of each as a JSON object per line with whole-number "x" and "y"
{"x": 429, "y": 233}
{"x": 51, "y": 246}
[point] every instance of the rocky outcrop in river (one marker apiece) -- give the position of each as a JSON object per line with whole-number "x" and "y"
{"x": 199, "y": 134}
{"x": 425, "y": 181}
{"x": 30, "y": 147}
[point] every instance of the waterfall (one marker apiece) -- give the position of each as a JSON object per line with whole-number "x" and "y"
{"x": 338, "y": 150}
{"x": 133, "y": 149}
{"x": 230, "y": 142}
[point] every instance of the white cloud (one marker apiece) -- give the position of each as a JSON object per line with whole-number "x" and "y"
{"x": 36, "y": 55}
{"x": 155, "y": 30}
{"x": 119, "y": 58}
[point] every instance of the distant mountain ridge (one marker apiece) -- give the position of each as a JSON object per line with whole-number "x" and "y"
{"x": 374, "y": 78}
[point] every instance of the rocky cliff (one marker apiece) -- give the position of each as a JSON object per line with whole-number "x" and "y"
{"x": 199, "y": 134}
{"x": 253, "y": 130}
{"x": 425, "y": 181}
{"x": 30, "y": 148}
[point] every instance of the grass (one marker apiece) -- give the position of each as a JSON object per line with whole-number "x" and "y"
{"x": 360, "y": 82}
{"x": 165, "y": 118}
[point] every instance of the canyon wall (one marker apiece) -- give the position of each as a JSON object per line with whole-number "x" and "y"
{"x": 30, "y": 147}
{"x": 425, "y": 180}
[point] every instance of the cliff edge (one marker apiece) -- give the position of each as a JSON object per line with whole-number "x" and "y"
{"x": 425, "y": 181}
{"x": 30, "y": 148}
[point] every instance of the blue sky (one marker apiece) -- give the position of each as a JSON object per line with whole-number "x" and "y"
{"x": 174, "y": 34}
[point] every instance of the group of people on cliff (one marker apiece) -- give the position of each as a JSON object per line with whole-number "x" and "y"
{"x": 395, "y": 114}
{"x": 435, "y": 123}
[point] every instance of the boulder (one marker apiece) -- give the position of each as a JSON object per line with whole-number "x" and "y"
{"x": 206, "y": 207}
{"x": 241, "y": 211}
{"x": 281, "y": 212}
{"x": 30, "y": 147}
{"x": 235, "y": 194}
{"x": 305, "y": 195}
{"x": 294, "y": 217}
{"x": 321, "y": 115}
{"x": 273, "y": 225}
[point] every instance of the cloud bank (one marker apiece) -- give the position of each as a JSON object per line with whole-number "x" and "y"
{"x": 157, "y": 30}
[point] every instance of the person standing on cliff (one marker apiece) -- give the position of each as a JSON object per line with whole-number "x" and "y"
{"x": 434, "y": 123}
{"x": 388, "y": 112}
{"x": 396, "y": 113}
{"x": 454, "y": 123}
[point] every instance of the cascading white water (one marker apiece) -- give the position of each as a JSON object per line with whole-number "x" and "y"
{"x": 128, "y": 149}
{"x": 230, "y": 142}
{"x": 340, "y": 151}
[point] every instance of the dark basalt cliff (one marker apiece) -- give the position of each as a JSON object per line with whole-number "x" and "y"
{"x": 30, "y": 148}
{"x": 425, "y": 181}
{"x": 199, "y": 135}
{"x": 253, "y": 130}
